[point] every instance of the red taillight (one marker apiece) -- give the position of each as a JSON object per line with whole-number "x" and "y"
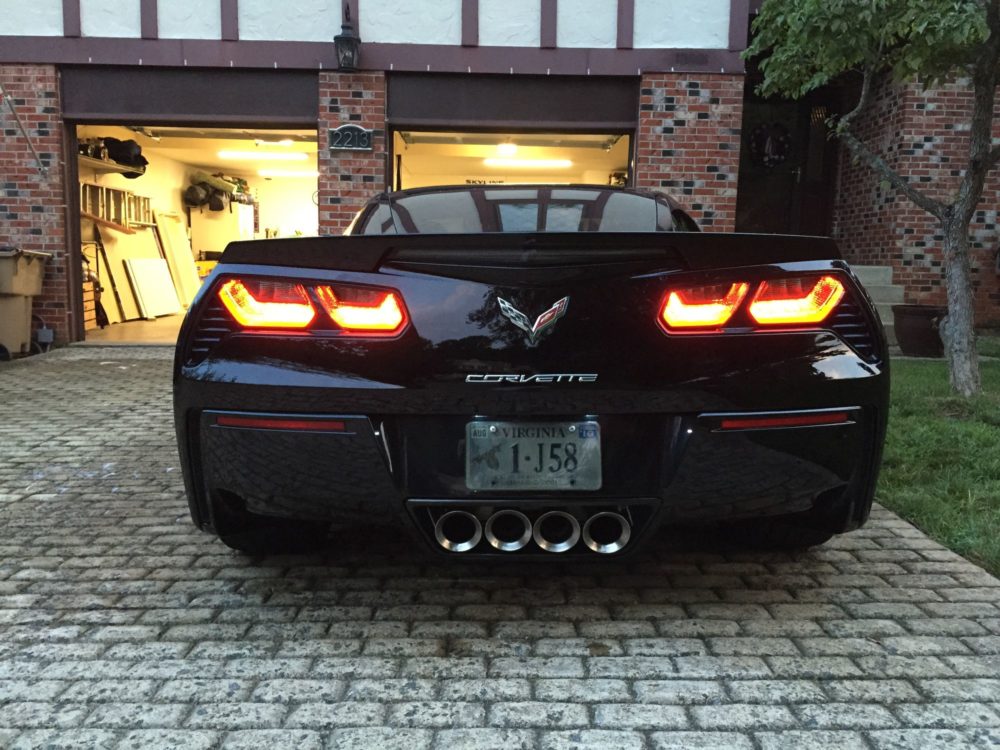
{"x": 272, "y": 304}
{"x": 262, "y": 303}
{"x": 703, "y": 306}
{"x": 795, "y": 300}
{"x": 358, "y": 310}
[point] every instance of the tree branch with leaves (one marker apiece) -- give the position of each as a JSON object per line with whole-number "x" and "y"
{"x": 805, "y": 44}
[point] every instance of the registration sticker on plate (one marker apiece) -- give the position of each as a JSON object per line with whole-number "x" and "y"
{"x": 533, "y": 455}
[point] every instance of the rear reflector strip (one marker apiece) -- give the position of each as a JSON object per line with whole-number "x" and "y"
{"x": 281, "y": 423}
{"x": 792, "y": 420}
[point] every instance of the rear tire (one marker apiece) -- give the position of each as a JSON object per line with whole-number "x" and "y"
{"x": 778, "y": 533}
{"x": 254, "y": 534}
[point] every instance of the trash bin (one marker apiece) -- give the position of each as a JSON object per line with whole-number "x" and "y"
{"x": 21, "y": 274}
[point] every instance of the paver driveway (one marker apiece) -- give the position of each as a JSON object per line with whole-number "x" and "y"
{"x": 123, "y": 626}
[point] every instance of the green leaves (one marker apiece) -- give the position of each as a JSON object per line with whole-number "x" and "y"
{"x": 806, "y": 43}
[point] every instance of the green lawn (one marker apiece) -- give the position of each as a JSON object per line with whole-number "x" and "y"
{"x": 988, "y": 344}
{"x": 941, "y": 469}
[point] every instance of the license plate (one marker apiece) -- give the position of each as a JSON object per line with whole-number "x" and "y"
{"x": 533, "y": 455}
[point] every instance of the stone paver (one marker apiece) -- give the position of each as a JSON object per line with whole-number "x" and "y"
{"x": 122, "y": 626}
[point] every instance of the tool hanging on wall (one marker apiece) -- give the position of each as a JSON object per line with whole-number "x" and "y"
{"x": 5, "y": 98}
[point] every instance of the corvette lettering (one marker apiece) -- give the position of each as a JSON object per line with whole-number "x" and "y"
{"x": 527, "y": 379}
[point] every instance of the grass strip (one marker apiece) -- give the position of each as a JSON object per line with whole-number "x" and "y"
{"x": 941, "y": 469}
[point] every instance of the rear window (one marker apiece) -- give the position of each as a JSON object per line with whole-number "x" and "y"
{"x": 527, "y": 209}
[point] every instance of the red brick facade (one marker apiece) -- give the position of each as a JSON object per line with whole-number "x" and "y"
{"x": 348, "y": 178}
{"x": 32, "y": 204}
{"x": 921, "y": 132}
{"x": 689, "y": 142}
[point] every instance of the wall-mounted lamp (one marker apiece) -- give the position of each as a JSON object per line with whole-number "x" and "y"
{"x": 347, "y": 44}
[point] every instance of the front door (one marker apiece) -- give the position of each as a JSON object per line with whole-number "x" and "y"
{"x": 787, "y": 167}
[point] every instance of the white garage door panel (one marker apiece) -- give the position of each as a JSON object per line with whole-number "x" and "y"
{"x": 110, "y": 18}
{"x": 410, "y": 22}
{"x": 587, "y": 23}
{"x": 673, "y": 24}
{"x": 39, "y": 18}
{"x": 510, "y": 23}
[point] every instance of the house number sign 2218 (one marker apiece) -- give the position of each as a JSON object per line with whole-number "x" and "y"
{"x": 351, "y": 138}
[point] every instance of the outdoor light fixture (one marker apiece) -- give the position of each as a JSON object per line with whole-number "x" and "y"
{"x": 286, "y": 142}
{"x": 264, "y": 155}
{"x": 529, "y": 163}
{"x": 507, "y": 149}
{"x": 347, "y": 44}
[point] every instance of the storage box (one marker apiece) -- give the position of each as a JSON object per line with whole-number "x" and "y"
{"x": 15, "y": 323}
{"x": 21, "y": 271}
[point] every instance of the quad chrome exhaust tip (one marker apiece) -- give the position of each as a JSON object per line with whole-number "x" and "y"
{"x": 508, "y": 530}
{"x": 606, "y": 532}
{"x": 512, "y": 530}
{"x": 556, "y": 531}
{"x": 458, "y": 531}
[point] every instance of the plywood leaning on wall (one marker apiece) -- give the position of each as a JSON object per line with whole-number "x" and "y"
{"x": 118, "y": 248}
{"x": 154, "y": 292}
{"x": 177, "y": 251}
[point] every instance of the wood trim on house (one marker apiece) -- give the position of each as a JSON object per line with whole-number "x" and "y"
{"x": 470, "y": 23}
{"x": 626, "y": 24}
{"x": 230, "y": 10}
{"x": 148, "y": 20}
{"x": 213, "y": 53}
{"x": 71, "y": 18}
{"x": 548, "y": 24}
{"x": 739, "y": 19}
{"x": 355, "y": 11}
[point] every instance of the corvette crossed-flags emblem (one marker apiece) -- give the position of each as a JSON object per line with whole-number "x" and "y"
{"x": 543, "y": 323}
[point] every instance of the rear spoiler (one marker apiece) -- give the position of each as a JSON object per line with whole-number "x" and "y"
{"x": 692, "y": 251}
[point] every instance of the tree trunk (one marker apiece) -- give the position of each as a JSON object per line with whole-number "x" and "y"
{"x": 958, "y": 327}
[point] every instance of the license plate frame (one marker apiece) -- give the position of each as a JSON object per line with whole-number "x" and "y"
{"x": 490, "y": 454}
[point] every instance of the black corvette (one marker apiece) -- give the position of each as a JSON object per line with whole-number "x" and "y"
{"x": 530, "y": 371}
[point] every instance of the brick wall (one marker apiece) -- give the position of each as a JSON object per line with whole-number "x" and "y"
{"x": 924, "y": 135}
{"x": 347, "y": 179}
{"x": 865, "y": 213}
{"x": 689, "y": 142}
{"x": 33, "y": 205}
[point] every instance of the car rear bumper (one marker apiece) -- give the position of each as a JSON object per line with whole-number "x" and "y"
{"x": 657, "y": 469}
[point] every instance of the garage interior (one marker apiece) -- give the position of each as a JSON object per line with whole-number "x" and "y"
{"x": 150, "y": 232}
{"x": 427, "y": 158}
{"x": 153, "y": 225}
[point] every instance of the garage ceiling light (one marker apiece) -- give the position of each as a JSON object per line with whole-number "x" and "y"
{"x": 286, "y": 142}
{"x": 288, "y": 173}
{"x": 264, "y": 155}
{"x": 529, "y": 163}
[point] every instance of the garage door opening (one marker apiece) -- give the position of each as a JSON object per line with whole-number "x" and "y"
{"x": 425, "y": 158}
{"x": 159, "y": 204}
